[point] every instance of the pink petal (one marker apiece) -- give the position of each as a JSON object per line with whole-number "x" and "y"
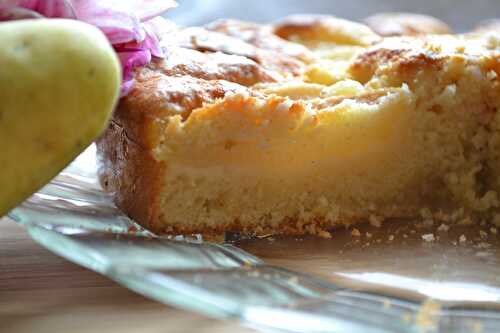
{"x": 17, "y": 13}
{"x": 149, "y": 43}
{"x": 132, "y": 60}
{"x": 47, "y": 8}
{"x": 118, "y": 25}
{"x": 56, "y": 8}
{"x": 127, "y": 85}
{"x": 120, "y": 20}
{"x": 28, "y": 4}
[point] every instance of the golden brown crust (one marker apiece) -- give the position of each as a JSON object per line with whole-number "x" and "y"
{"x": 406, "y": 24}
{"x": 157, "y": 96}
{"x": 213, "y": 66}
{"x": 261, "y": 36}
{"x": 204, "y": 40}
{"x": 404, "y": 56}
{"x": 324, "y": 28}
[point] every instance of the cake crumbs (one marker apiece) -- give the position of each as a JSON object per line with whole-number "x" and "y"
{"x": 465, "y": 221}
{"x": 482, "y": 245}
{"x": 407, "y": 317}
{"x": 493, "y": 230}
{"x": 443, "y": 228}
{"x": 426, "y": 213}
{"x": 462, "y": 239}
{"x": 375, "y": 221}
{"x": 368, "y": 235}
{"x": 355, "y": 232}
{"x": 428, "y": 237}
{"x": 391, "y": 238}
{"x": 483, "y": 234}
{"x": 496, "y": 220}
{"x": 427, "y": 316}
{"x": 324, "y": 234}
{"x": 405, "y": 236}
{"x": 426, "y": 223}
{"x": 476, "y": 327}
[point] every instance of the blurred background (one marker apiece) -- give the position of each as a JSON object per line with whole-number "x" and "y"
{"x": 461, "y": 15}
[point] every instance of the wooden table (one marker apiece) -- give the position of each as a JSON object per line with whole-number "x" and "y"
{"x": 41, "y": 292}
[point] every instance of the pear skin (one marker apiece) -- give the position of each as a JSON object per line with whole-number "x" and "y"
{"x": 59, "y": 83}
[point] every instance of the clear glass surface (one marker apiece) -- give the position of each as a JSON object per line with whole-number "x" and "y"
{"x": 393, "y": 278}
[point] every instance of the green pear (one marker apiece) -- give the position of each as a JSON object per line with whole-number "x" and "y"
{"x": 59, "y": 83}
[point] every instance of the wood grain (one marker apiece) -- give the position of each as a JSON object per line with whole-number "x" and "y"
{"x": 42, "y": 292}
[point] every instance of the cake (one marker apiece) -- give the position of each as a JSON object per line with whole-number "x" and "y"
{"x": 304, "y": 125}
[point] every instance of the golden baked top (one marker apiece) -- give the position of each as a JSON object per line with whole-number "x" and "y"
{"x": 319, "y": 61}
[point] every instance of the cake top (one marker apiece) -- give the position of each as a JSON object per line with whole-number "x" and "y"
{"x": 319, "y": 61}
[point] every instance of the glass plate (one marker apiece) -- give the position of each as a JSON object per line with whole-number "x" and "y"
{"x": 400, "y": 277}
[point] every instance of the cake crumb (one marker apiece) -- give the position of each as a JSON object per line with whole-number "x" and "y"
{"x": 426, "y": 213}
{"x": 462, "y": 239}
{"x": 427, "y": 223}
{"x": 443, "y": 228}
{"x": 483, "y": 245}
{"x": 493, "y": 230}
{"x": 428, "y": 237}
{"x": 441, "y": 216}
{"x": 427, "y": 316}
{"x": 405, "y": 236}
{"x": 324, "y": 234}
{"x": 476, "y": 327}
{"x": 375, "y": 221}
{"x": 407, "y": 317}
{"x": 391, "y": 238}
{"x": 355, "y": 232}
{"x": 368, "y": 235}
{"x": 465, "y": 221}
{"x": 259, "y": 230}
{"x": 496, "y": 220}
{"x": 483, "y": 234}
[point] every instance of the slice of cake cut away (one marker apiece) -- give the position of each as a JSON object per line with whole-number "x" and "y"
{"x": 308, "y": 124}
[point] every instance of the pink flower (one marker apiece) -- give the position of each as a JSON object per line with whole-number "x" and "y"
{"x": 122, "y": 21}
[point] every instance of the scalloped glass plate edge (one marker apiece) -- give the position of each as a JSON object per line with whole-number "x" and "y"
{"x": 73, "y": 218}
